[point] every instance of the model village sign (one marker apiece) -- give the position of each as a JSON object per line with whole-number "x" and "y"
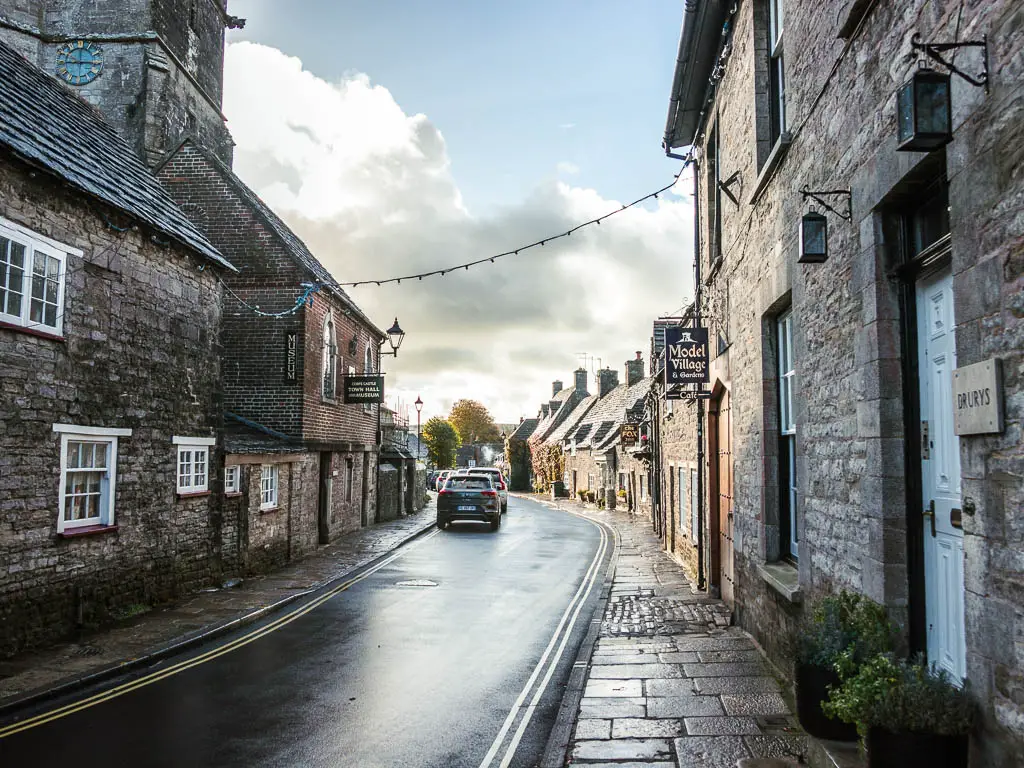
{"x": 687, "y": 363}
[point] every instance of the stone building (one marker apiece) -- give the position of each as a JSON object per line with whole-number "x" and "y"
{"x": 109, "y": 404}
{"x": 153, "y": 67}
{"x": 517, "y": 456}
{"x": 596, "y": 458}
{"x": 834, "y": 459}
{"x": 290, "y": 334}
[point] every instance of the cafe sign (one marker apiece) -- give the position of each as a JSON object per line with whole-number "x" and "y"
{"x": 686, "y": 356}
{"x": 978, "y": 398}
{"x": 364, "y": 388}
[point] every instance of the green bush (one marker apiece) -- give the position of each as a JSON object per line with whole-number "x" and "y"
{"x": 582, "y": 495}
{"x": 844, "y": 631}
{"x": 901, "y": 696}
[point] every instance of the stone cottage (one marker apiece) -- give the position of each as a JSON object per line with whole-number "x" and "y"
{"x": 517, "y": 455}
{"x": 861, "y": 282}
{"x": 546, "y": 458}
{"x": 109, "y": 405}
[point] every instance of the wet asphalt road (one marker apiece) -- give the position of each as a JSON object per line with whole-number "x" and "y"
{"x": 381, "y": 674}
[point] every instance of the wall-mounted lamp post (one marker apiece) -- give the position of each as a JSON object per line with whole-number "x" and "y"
{"x": 395, "y": 335}
{"x": 924, "y": 108}
{"x": 814, "y": 226}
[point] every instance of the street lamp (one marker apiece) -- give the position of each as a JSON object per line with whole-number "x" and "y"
{"x": 419, "y": 407}
{"x": 395, "y": 336}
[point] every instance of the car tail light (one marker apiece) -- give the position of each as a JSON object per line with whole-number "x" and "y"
{"x": 489, "y": 493}
{"x": 444, "y": 492}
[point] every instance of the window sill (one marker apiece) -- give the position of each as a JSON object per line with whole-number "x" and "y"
{"x": 783, "y": 578}
{"x": 269, "y": 510}
{"x": 192, "y": 494}
{"x": 329, "y": 400}
{"x": 771, "y": 165}
{"x": 232, "y": 494}
{"x": 86, "y": 530}
{"x": 32, "y": 331}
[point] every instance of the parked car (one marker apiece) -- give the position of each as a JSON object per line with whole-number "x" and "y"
{"x": 469, "y": 497}
{"x": 443, "y": 475}
{"x": 499, "y": 483}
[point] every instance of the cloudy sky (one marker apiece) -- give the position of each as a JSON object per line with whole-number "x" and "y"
{"x": 403, "y": 136}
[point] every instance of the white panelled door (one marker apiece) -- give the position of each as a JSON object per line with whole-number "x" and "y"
{"x": 940, "y": 475}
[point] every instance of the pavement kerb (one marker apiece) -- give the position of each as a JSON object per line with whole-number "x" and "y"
{"x": 192, "y": 639}
{"x": 557, "y": 746}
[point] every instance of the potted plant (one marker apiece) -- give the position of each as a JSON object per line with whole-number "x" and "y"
{"x": 846, "y": 627}
{"x": 909, "y": 714}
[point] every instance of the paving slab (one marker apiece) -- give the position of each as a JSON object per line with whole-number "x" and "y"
{"x": 684, "y": 706}
{"x": 669, "y": 687}
{"x": 710, "y": 751}
{"x": 721, "y": 726}
{"x": 610, "y": 707}
{"x": 594, "y": 729}
{"x": 635, "y": 670}
{"x": 623, "y": 749}
{"x": 613, "y": 688}
{"x": 715, "y": 685}
{"x": 755, "y": 704}
{"x": 642, "y": 728}
{"x": 728, "y": 669}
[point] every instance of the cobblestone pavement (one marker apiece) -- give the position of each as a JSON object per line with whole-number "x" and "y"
{"x": 671, "y": 683}
{"x": 202, "y": 612}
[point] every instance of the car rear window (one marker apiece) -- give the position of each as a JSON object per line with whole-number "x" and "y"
{"x": 469, "y": 484}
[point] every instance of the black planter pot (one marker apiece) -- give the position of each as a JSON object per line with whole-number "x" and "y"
{"x": 812, "y": 684}
{"x": 912, "y": 749}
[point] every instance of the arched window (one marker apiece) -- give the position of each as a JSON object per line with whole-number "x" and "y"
{"x": 329, "y": 364}
{"x": 368, "y": 361}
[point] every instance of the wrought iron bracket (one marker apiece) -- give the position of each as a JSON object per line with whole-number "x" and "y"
{"x": 935, "y": 50}
{"x": 724, "y": 185}
{"x": 816, "y": 197}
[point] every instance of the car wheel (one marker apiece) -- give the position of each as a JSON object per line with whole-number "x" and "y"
{"x": 496, "y": 523}
{"x": 442, "y": 523}
{"x": 504, "y": 508}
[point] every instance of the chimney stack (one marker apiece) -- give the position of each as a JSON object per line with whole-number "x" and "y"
{"x": 581, "y": 380}
{"x": 544, "y": 410}
{"x": 634, "y": 370}
{"x": 556, "y": 387}
{"x": 607, "y": 380}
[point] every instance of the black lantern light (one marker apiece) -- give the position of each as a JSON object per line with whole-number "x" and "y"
{"x": 813, "y": 238}
{"x": 395, "y": 336}
{"x": 814, "y": 226}
{"x": 924, "y": 107}
{"x": 924, "y": 112}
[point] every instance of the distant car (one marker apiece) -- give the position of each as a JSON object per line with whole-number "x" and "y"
{"x": 469, "y": 497}
{"x": 443, "y": 475}
{"x": 499, "y": 484}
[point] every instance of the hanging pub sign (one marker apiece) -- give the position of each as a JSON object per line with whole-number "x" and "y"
{"x": 686, "y": 356}
{"x": 630, "y": 433}
{"x": 364, "y": 388}
{"x": 291, "y": 342}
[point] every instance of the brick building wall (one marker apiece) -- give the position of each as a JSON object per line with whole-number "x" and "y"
{"x": 140, "y": 352}
{"x": 859, "y": 517}
{"x": 162, "y": 73}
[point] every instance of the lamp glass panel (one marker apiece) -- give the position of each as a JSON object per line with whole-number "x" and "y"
{"x": 814, "y": 235}
{"x": 905, "y": 111}
{"x": 933, "y": 105}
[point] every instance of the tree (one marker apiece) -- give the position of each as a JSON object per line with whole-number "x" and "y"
{"x": 473, "y": 422}
{"x": 442, "y": 440}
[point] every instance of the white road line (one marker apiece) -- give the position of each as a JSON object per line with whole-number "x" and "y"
{"x": 580, "y": 598}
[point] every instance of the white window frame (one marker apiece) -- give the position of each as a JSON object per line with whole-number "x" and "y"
{"x": 270, "y": 478}
{"x": 329, "y": 359}
{"x": 232, "y": 478}
{"x": 73, "y": 433}
{"x": 34, "y": 244}
{"x": 196, "y": 480}
{"x": 776, "y": 68}
{"x": 787, "y": 422}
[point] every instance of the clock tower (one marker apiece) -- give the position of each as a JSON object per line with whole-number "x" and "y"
{"x": 155, "y": 68}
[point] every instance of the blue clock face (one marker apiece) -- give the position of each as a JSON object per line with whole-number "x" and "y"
{"x": 79, "y": 62}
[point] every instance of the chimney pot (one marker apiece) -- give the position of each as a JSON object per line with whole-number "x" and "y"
{"x": 634, "y": 370}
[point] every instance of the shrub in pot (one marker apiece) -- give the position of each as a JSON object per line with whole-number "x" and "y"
{"x": 909, "y": 714}
{"x": 846, "y": 626}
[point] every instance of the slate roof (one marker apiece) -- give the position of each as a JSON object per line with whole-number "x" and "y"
{"x": 292, "y": 243}
{"x": 565, "y": 429}
{"x": 241, "y": 435}
{"x": 556, "y": 417}
{"x": 525, "y": 429}
{"x": 47, "y": 126}
{"x": 600, "y": 428}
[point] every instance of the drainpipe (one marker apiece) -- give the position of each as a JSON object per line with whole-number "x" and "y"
{"x": 697, "y": 294}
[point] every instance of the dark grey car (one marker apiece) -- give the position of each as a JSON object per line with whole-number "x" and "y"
{"x": 469, "y": 497}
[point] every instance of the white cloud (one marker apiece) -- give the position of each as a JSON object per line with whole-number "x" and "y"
{"x": 567, "y": 168}
{"x": 370, "y": 190}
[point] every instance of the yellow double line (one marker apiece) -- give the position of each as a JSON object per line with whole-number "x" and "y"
{"x": 174, "y": 669}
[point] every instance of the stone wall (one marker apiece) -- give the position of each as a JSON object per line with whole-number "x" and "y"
{"x": 860, "y": 522}
{"x": 678, "y": 451}
{"x": 139, "y": 351}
